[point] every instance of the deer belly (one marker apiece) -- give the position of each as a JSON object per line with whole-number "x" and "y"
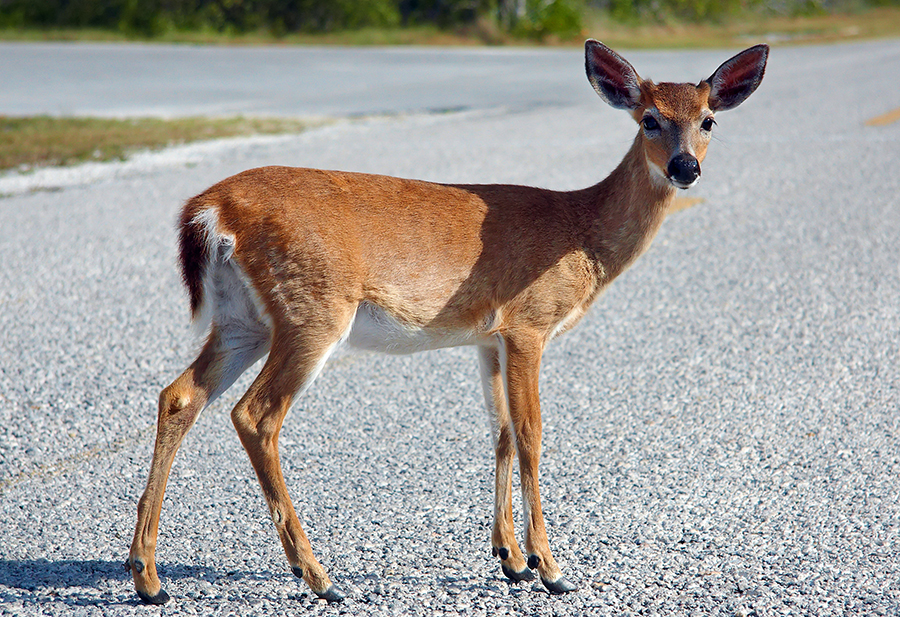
{"x": 373, "y": 329}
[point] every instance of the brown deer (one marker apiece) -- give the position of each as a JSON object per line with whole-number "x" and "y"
{"x": 292, "y": 262}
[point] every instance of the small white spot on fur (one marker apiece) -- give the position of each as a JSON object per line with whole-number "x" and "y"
{"x": 277, "y": 516}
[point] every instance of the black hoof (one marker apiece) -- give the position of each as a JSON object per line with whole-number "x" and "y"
{"x": 332, "y": 594}
{"x": 524, "y": 575}
{"x": 560, "y": 585}
{"x": 160, "y": 598}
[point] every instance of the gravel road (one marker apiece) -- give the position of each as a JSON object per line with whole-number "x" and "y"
{"x": 721, "y": 433}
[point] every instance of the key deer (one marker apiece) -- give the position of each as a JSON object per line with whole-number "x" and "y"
{"x": 290, "y": 263}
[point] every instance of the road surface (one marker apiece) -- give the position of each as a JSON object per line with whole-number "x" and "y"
{"x": 721, "y": 433}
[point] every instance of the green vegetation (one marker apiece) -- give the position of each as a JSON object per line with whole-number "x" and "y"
{"x": 754, "y": 28}
{"x": 387, "y": 21}
{"x": 154, "y": 18}
{"x": 717, "y": 11}
{"x": 45, "y": 140}
{"x": 37, "y": 141}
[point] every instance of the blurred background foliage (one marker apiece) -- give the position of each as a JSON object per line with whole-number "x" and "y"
{"x": 489, "y": 19}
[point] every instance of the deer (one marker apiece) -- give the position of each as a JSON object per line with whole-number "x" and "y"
{"x": 289, "y": 263}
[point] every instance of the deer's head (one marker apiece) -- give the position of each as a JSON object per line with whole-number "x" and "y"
{"x": 676, "y": 120}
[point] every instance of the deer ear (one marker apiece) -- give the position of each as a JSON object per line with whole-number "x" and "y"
{"x": 737, "y": 78}
{"x": 613, "y": 78}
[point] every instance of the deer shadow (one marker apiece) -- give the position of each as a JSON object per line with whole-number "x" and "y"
{"x": 42, "y": 581}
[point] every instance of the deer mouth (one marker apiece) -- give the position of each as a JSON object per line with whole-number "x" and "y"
{"x": 679, "y": 184}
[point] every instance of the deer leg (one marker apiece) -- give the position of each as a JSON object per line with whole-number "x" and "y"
{"x": 180, "y": 403}
{"x": 503, "y": 537}
{"x": 258, "y": 418}
{"x": 520, "y": 360}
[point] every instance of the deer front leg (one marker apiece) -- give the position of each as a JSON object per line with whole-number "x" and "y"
{"x": 503, "y": 537}
{"x": 520, "y": 361}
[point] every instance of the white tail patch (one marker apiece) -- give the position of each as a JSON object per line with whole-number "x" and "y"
{"x": 228, "y": 294}
{"x": 230, "y": 306}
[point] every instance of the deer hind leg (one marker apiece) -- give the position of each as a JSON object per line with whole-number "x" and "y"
{"x": 238, "y": 338}
{"x": 290, "y": 369}
{"x": 222, "y": 360}
{"x": 520, "y": 360}
{"x": 503, "y": 537}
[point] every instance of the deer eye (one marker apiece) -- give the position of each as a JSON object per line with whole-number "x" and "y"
{"x": 708, "y": 123}
{"x": 650, "y": 123}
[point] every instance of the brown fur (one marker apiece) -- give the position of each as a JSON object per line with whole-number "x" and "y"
{"x": 507, "y": 267}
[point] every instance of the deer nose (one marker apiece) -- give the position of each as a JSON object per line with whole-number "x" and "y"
{"x": 684, "y": 170}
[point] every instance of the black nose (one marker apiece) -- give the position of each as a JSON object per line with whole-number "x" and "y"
{"x": 684, "y": 169}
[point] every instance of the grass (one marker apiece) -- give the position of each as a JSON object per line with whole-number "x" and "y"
{"x": 27, "y": 142}
{"x": 861, "y": 25}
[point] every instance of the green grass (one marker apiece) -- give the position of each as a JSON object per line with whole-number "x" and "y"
{"x": 27, "y": 142}
{"x": 830, "y": 28}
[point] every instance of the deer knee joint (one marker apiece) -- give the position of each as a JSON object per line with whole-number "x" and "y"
{"x": 174, "y": 400}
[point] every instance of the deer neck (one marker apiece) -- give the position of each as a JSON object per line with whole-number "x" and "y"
{"x": 627, "y": 209}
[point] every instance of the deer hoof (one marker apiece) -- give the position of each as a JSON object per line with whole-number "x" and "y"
{"x": 559, "y": 586}
{"x": 332, "y": 594}
{"x": 524, "y": 575}
{"x": 161, "y": 597}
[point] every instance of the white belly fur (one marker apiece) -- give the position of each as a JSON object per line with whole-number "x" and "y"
{"x": 374, "y": 330}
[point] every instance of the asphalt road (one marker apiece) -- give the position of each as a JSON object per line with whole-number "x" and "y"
{"x": 722, "y": 432}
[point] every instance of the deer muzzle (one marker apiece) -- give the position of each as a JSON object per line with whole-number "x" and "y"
{"x": 683, "y": 170}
